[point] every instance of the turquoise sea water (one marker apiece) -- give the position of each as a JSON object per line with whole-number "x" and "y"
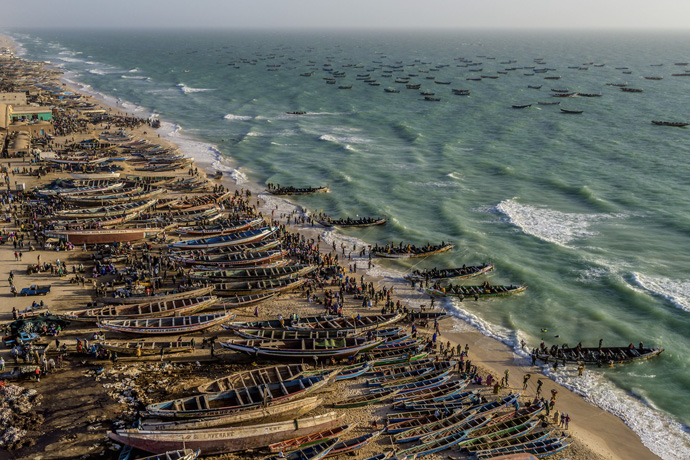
{"x": 591, "y": 211}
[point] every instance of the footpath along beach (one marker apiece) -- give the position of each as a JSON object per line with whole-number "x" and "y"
{"x": 68, "y": 412}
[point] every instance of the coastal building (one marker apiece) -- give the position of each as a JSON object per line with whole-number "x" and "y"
{"x": 16, "y": 98}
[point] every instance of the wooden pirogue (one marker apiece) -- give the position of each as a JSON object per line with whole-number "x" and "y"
{"x": 238, "y": 399}
{"x": 448, "y": 273}
{"x": 253, "y": 274}
{"x": 192, "y": 293}
{"x": 164, "y": 326}
{"x": 253, "y": 377}
{"x": 241, "y": 301}
{"x": 399, "y": 252}
{"x": 217, "y": 230}
{"x": 312, "y": 438}
{"x": 480, "y": 291}
{"x": 103, "y": 236}
{"x": 106, "y": 211}
{"x": 184, "y": 454}
{"x": 257, "y": 287}
{"x": 222, "y": 440}
{"x": 294, "y": 408}
{"x": 233, "y": 260}
{"x": 315, "y": 451}
{"x": 598, "y": 356}
{"x": 178, "y": 307}
{"x": 148, "y": 348}
{"x": 305, "y": 349}
{"x": 226, "y": 240}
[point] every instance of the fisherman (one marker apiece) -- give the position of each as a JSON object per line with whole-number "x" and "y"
{"x": 525, "y": 379}
{"x": 539, "y": 385}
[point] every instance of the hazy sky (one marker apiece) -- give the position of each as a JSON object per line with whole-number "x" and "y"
{"x": 302, "y": 14}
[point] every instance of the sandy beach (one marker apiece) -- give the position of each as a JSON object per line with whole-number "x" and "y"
{"x": 74, "y": 406}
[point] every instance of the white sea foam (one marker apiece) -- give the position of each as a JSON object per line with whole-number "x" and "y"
{"x": 70, "y": 59}
{"x": 549, "y": 225}
{"x": 133, "y": 70}
{"x": 188, "y": 90}
{"x": 676, "y": 291}
{"x": 456, "y": 175}
{"x": 135, "y": 77}
{"x": 230, "y": 116}
{"x": 344, "y": 139}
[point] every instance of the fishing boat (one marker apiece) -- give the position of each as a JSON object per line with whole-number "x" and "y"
{"x": 366, "y": 399}
{"x": 302, "y": 322}
{"x": 63, "y": 191}
{"x": 183, "y": 454}
{"x": 524, "y": 106}
{"x": 463, "y": 272}
{"x": 351, "y": 445}
{"x": 254, "y": 274}
{"x": 226, "y": 240}
{"x": 178, "y": 307}
{"x": 223, "y": 440}
{"x": 289, "y": 190}
{"x": 306, "y": 349}
{"x": 218, "y": 230}
{"x": 241, "y": 301}
{"x": 106, "y": 211}
{"x": 352, "y": 223}
{"x": 358, "y": 323}
{"x": 572, "y": 112}
{"x": 238, "y": 399}
{"x": 541, "y": 448}
{"x": 311, "y": 439}
{"x": 103, "y": 236}
{"x": 262, "y": 376}
{"x": 165, "y": 326}
{"x": 677, "y": 124}
{"x": 313, "y": 452}
{"x": 481, "y": 291}
{"x": 190, "y": 294}
{"x": 288, "y": 334}
{"x": 392, "y": 252}
{"x": 258, "y": 287}
{"x": 148, "y": 348}
{"x": 596, "y": 355}
{"x": 461, "y": 420}
{"x": 295, "y": 408}
{"x": 234, "y": 260}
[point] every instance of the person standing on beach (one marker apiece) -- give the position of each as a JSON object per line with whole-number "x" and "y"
{"x": 506, "y": 378}
{"x": 539, "y": 384}
{"x": 525, "y": 379}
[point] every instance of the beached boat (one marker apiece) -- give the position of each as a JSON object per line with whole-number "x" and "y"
{"x": 288, "y": 334}
{"x": 262, "y": 376}
{"x": 178, "y": 307}
{"x": 258, "y": 287}
{"x": 182, "y": 454}
{"x": 311, "y": 452}
{"x": 460, "y": 419}
{"x": 476, "y": 292}
{"x": 351, "y": 445}
{"x": 241, "y": 301}
{"x": 226, "y": 240}
{"x": 358, "y": 323}
{"x": 217, "y": 230}
{"x": 302, "y": 322}
{"x": 165, "y": 326}
{"x": 106, "y": 211}
{"x": 222, "y": 440}
{"x": 463, "y": 272}
{"x": 238, "y": 399}
{"x": 295, "y": 408}
{"x": 148, "y": 348}
{"x": 398, "y": 252}
{"x": 64, "y": 191}
{"x": 103, "y": 236}
{"x": 190, "y": 294}
{"x": 254, "y": 274}
{"x": 311, "y": 439}
{"x": 306, "y": 349}
{"x": 231, "y": 260}
{"x": 596, "y": 355}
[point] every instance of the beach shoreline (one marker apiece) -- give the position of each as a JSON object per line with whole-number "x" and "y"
{"x": 601, "y": 432}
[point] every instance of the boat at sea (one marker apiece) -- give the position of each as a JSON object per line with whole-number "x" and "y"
{"x": 677, "y": 124}
{"x": 522, "y": 106}
{"x": 481, "y": 291}
{"x": 223, "y": 440}
{"x": 572, "y": 112}
{"x": 238, "y": 399}
{"x": 252, "y": 377}
{"x": 306, "y": 349}
{"x": 166, "y": 326}
{"x": 631, "y": 90}
{"x": 596, "y": 355}
{"x": 399, "y": 252}
{"x": 352, "y": 223}
{"x": 290, "y": 190}
{"x": 154, "y": 309}
{"x": 463, "y": 272}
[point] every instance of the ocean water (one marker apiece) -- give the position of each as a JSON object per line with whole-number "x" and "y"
{"x": 591, "y": 211}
